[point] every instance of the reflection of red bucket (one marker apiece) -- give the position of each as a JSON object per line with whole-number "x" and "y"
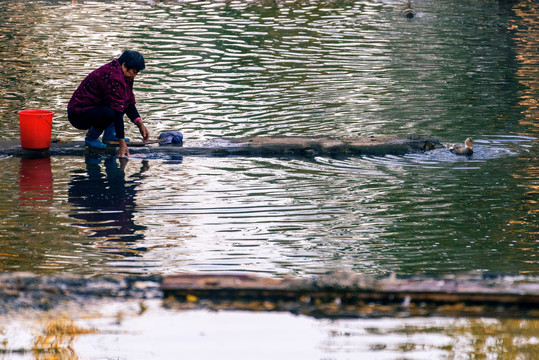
{"x": 36, "y": 128}
{"x": 35, "y": 182}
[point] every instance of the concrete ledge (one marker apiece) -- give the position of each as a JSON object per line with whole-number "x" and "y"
{"x": 292, "y": 146}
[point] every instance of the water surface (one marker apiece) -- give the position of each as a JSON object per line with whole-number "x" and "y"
{"x": 106, "y": 330}
{"x": 309, "y": 68}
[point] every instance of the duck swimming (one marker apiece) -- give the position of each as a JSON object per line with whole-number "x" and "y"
{"x": 460, "y": 149}
{"x": 408, "y": 12}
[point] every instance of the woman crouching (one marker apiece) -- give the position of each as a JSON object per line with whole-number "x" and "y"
{"x": 103, "y": 97}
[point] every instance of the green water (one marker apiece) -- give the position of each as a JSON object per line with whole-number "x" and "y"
{"x": 243, "y": 68}
{"x": 335, "y": 68}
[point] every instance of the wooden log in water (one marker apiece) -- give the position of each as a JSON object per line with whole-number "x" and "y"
{"x": 342, "y": 294}
{"x": 329, "y": 295}
{"x": 499, "y": 290}
{"x": 267, "y": 146}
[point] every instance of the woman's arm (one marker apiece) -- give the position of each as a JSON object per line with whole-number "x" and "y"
{"x": 143, "y": 131}
{"x": 123, "y": 151}
{"x": 133, "y": 114}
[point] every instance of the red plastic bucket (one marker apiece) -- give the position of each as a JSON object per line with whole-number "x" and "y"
{"x": 36, "y": 128}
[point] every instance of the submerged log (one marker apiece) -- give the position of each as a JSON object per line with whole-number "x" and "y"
{"x": 451, "y": 289}
{"x": 283, "y": 146}
{"x": 330, "y": 295}
{"x": 352, "y": 295}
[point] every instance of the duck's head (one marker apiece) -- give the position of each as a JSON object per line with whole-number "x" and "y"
{"x": 468, "y": 143}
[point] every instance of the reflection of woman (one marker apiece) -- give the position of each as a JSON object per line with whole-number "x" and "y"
{"x": 106, "y": 202}
{"x": 102, "y": 99}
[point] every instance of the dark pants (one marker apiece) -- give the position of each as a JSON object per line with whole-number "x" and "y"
{"x": 99, "y": 118}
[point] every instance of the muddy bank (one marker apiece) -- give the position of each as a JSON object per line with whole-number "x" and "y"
{"x": 293, "y": 146}
{"x": 330, "y": 295}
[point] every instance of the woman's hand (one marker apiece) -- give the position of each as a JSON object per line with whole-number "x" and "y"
{"x": 143, "y": 131}
{"x": 123, "y": 151}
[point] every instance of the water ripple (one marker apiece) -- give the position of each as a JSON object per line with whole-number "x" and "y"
{"x": 308, "y": 68}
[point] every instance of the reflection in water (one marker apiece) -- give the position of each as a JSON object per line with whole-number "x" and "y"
{"x": 35, "y": 183}
{"x": 526, "y": 37}
{"x": 105, "y": 202}
{"x": 135, "y": 330}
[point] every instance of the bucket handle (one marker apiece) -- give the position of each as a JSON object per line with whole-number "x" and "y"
{"x": 46, "y": 121}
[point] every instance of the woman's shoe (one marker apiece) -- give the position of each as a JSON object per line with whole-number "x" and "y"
{"x": 92, "y": 139}
{"x": 110, "y": 134}
{"x": 96, "y": 143}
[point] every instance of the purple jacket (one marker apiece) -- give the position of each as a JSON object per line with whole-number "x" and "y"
{"x": 105, "y": 86}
